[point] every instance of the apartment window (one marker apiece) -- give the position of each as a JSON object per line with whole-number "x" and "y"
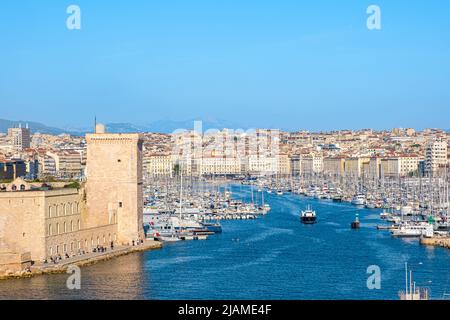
{"x": 49, "y": 229}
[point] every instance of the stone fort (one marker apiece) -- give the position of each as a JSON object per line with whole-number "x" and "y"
{"x": 42, "y": 220}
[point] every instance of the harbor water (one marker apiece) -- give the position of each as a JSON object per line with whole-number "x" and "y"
{"x": 272, "y": 257}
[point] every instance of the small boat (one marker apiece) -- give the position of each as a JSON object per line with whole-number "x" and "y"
{"x": 386, "y": 227}
{"x": 384, "y": 215}
{"x": 308, "y": 216}
{"x": 359, "y": 200}
{"x": 214, "y": 227}
{"x": 356, "y": 224}
{"x": 188, "y": 236}
{"x": 337, "y": 198}
{"x": 200, "y": 237}
{"x": 279, "y": 192}
{"x": 371, "y": 205}
{"x": 167, "y": 237}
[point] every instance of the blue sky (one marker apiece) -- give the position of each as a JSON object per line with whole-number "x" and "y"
{"x": 290, "y": 64}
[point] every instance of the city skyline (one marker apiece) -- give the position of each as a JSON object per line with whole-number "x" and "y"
{"x": 289, "y": 66}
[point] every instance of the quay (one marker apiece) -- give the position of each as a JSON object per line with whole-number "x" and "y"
{"x": 80, "y": 260}
{"x": 436, "y": 241}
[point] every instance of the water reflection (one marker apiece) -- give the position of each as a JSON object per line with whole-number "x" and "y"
{"x": 120, "y": 278}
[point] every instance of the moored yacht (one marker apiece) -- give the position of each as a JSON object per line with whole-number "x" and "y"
{"x": 413, "y": 230}
{"x": 359, "y": 200}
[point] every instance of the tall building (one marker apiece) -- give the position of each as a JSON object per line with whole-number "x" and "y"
{"x": 44, "y": 220}
{"x": 20, "y": 137}
{"x": 435, "y": 156}
{"x": 114, "y": 182}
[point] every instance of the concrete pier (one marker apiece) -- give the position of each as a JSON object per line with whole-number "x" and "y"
{"x": 436, "y": 241}
{"x": 81, "y": 261}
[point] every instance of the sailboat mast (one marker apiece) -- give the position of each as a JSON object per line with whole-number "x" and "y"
{"x": 181, "y": 192}
{"x": 406, "y": 280}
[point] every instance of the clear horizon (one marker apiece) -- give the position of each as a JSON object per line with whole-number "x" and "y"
{"x": 286, "y": 65}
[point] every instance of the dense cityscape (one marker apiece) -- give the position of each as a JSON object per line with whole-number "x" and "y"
{"x": 369, "y": 153}
{"x": 231, "y": 157}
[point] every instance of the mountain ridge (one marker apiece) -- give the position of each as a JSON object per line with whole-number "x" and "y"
{"x": 159, "y": 126}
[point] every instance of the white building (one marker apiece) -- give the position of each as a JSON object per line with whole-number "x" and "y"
{"x": 435, "y": 156}
{"x": 20, "y": 137}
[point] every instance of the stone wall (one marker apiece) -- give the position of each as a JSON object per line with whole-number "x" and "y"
{"x": 114, "y": 183}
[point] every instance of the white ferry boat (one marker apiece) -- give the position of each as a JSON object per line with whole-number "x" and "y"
{"x": 308, "y": 216}
{"x": 413, "y": 230}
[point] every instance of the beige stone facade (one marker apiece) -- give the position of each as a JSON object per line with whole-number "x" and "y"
{"x": 334, "y": 166}
{"x": 38, "y": 222}
{"x": 114, "y": 184}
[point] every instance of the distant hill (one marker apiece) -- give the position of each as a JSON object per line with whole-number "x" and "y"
{"x": 160, "y": 126}
{"x": 34, "y": 127}
{"x": 124, "y": 128}
{"x": 168, "y": 126}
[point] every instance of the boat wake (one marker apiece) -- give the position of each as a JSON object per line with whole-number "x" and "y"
{"x": 267, "y": 257}
{"x": 162, "y": 263}
{"x": 270, "y": 232}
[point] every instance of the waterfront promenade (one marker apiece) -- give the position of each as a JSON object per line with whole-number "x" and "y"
{"x": 82, "y": 260}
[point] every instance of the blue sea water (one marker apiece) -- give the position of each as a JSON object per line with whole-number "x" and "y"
{"x": 273, "y": 257}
